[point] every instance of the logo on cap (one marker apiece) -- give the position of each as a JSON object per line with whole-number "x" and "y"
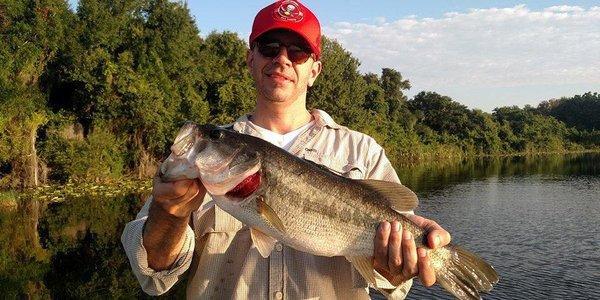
{"x": 288, "y": 11}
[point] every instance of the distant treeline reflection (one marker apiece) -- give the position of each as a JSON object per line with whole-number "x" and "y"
{"x": 426, "y": 177}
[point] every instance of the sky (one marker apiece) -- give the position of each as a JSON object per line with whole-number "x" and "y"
{"x": 483, "y": 54}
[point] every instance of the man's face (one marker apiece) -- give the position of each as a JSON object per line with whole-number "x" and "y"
{"x": 278, "y": 79}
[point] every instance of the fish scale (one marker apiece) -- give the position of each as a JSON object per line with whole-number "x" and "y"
{"x": 314, "y": 200}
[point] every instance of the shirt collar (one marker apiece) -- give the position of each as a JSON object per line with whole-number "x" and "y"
{"x": 322, "y": 119}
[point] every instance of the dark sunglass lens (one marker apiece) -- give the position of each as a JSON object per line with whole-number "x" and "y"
{"x": 297, "y": 55}
{"x": 269, "y": 49}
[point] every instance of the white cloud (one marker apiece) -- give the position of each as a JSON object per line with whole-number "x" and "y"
{"x": 564, "y": 8}
{"x": 380, "y": 20}
{"x": 496, "y": 47}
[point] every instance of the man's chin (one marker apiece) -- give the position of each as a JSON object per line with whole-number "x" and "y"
{"x": 277, "y": 97}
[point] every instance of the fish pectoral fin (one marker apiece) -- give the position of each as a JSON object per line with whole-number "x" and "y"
{"x": 264, "y": 243}
{"x": 397, "y": 196}
{"x": 269, "y": 214}
{"x": 364, "y": 266}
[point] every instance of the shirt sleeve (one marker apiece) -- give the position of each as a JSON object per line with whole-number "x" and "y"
{"x": 154, "y": 282}
{"x": 379, "y": 166}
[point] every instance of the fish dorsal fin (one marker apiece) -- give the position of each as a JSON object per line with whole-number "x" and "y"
{"x": 263, "y": 243}
{"x": 397, "y": 196}
{"x": 269, "y": 214}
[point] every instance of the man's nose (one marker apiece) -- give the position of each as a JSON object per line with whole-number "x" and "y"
{"x": 282, "y": 57}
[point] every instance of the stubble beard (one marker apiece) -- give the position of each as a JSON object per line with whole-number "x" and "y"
{"x": 279, "y": 94}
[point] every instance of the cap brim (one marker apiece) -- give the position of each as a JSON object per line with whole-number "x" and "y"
{"x": 303, "y": 36}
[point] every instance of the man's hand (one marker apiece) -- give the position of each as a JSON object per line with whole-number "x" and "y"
{"x": 178, "y": 198}
{"x": 396, "y": 256}
{"x": 169, "y": 214}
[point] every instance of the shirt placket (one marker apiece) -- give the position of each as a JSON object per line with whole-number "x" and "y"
{"x": 276, "y": 273}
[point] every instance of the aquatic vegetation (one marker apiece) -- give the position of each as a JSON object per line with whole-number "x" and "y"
{"x": 58, "y": 193}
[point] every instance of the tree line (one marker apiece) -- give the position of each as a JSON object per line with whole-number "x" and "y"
{"x": 99, "y": 93}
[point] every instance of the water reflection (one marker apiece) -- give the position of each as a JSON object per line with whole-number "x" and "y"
{"x": 429, "y": 177}
{"x": 71, "y": 249}
{"x": 73, "y": 252}
{"x": 23, "y": 261}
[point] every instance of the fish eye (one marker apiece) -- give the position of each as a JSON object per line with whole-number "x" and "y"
{"x": 215, "y": 134}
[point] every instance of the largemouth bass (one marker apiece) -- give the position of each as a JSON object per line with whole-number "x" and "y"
{"x": 285, "y": 198}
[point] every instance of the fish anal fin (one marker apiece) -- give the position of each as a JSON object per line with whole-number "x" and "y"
{"x": 364, "y": 266}
{"x": 397, "y": 196}
{"x": 263, "y": 243}
{"x": 269, "y": 214}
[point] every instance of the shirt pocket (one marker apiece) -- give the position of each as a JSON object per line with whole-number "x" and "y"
{"x": 345, "y": 168}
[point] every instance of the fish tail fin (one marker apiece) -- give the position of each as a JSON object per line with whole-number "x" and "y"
{"x": 463, "y": 273}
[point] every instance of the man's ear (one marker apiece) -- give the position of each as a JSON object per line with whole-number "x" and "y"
{"x": 315, "y": 70}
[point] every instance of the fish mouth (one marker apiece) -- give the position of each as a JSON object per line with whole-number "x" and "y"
{"x": 223, "y": 183}
{"x": 245, "y": 188}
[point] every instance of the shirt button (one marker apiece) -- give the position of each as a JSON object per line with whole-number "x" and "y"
{"x": 279, "y": 295}
{"x": 278, "y": 247}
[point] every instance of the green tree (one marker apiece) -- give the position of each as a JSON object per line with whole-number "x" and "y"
{"x": 393, "y": 85}
{"x": 531, "y": 132}
{"x": 485, "y": 133}
{"x": 230, "y": 89}
{"x": 134, "y": 67}
{"x": 580, "y": 111}
{"x": 30, "y": 35}
{"x": 375, "y": 100}
{"x": 340, "y": 89}
{"x": 441, "y": 113}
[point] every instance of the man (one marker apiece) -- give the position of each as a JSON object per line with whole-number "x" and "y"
{"x": 179, "y": 229}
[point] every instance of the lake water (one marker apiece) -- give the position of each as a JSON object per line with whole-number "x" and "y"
{"x": 538, "y": 226}
{"x": 535, "y": 219}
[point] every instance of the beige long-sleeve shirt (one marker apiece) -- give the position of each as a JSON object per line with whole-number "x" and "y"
{"x": 218, "y": 252}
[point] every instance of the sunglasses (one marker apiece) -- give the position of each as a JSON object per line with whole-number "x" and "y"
{"x": 295, "y": 54}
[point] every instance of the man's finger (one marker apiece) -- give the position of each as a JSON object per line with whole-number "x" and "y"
{"x": 381, "y": 244}
{"x": 193, "y": 189}
{"x": 426, "y": 272}
{"x": 199, "y": 197}
{"x": 438, "y": 238}
{"x": 394, "y": 249}
{"x": 436, "y": 235}
{"x": 409, "y": 255}
{"x": 170, "y": 190}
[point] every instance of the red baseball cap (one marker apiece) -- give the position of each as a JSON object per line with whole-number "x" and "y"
{"x": 291, "y": 15}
